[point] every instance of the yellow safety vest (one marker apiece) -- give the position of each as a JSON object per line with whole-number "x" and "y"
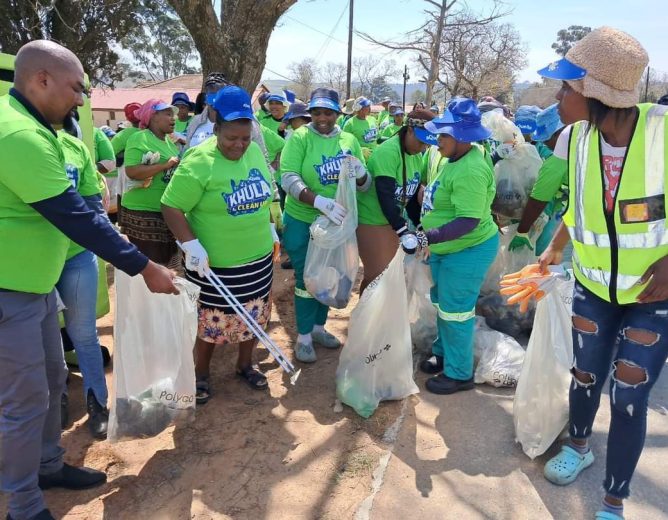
{"x": 611, "y": 252}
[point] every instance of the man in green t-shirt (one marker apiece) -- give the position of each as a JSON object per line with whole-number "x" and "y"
{"x": 384, "y": 114}
{"x": 37, "y": 205}
{"x": 393, "y": 126}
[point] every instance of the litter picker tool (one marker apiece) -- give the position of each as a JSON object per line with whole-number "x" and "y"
{"x": 253, "y": 326}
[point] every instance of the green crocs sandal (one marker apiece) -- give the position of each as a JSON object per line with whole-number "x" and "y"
{"x": 607, "y": 515}
{"x": 567, "y": 465}
{"x": 325, "y": 339}
{"x": 305, "y": 352}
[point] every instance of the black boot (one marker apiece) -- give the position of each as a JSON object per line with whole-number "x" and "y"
{"x": 64, "y": 413}
{"x": 432, "y": 365}
{"x": 98, "y": 417}
{"x": 69, "y": 477}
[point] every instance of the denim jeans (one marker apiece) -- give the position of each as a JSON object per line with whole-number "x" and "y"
{"x": 457, "y": 281}
{"x": 78, "y": 289}
{"x": 605, "y": 336}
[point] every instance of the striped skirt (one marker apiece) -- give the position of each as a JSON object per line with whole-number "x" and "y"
{"x": 149, "y": 232}
{"x": 218, "y": 323}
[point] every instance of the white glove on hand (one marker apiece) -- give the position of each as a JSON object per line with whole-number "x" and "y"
{"x": 506, "y": 150}
{"x": 197, "y": 258}
{"x": 356, "y": 166}
{"x": 330, "y": 208}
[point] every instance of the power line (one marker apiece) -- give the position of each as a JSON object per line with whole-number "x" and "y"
{"x": 325, "y": 44}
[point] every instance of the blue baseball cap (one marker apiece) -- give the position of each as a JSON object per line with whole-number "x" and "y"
{"x": 397, "y": 112}
{"x": 363, "y": 102}
{"x": 232, "y": 103}
{"x": 563, "y": 70}
{"x": 547, "y": 123}
{"x": 425, "y": 135}
{"x": 324, "y": 98}
{"x": 163, "y": 106}
{"x": 181, "y": 98}
{"x": 525, "y": 118}
{"x": 276, "y": 97}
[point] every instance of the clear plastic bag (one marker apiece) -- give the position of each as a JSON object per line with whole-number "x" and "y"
{"x": 500, "y": 358}
{"x": 332, "y": 259}
{"x": 376, "y": 363}
{"x": 154, "y": 371}
{"x": 515, "y": 177}
{"x": 503, "y": 129}
{"x": 421, "y": 312}
{"x": 540, "y": 409}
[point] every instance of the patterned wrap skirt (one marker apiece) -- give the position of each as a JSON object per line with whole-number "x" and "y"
{"x": 218, "y": 323}
{"x": 149, "y": 232}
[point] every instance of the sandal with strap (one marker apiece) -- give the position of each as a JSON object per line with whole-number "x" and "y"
{"x": 252, "y": 375}
{"x": 202, "y": 390}
{"x": 607, "y": 515}
{"x": 567, "y": 465}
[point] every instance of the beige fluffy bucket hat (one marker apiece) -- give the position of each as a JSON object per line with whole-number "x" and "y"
{"x": 606, "y": 65}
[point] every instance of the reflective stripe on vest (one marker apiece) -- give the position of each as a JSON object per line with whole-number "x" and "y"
{"x": 302, "y": 293}
{"x": 624, "y": 281}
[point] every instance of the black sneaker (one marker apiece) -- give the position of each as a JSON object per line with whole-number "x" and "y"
{"x": 98, "y": 417}
{"x": 106, "y": 356}
{"x": 64, "y": 412}
{"x": 44, "y": 514}
{"x": 287, "y": 264}
{"x": 444, "y": 385}
{"x": 69, "y": 477}
{"x": 432, "y": 365}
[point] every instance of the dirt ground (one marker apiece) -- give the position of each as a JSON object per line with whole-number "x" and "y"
{"x": 283, "y": 454}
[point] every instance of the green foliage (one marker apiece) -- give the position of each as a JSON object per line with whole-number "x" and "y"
{"x": 89, "y": 28}
{"x": 566, "y": 38}
{"x": 161, "y": 46}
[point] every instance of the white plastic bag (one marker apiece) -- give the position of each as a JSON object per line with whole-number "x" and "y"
{"x": 540, "y": 409}
{"x": 376, "y": 363}
{"x": 154, "y": 371}
{"x": 421, "y": 312}
{"x": 503, "y": 129}
{"x": 332, "y": 260}
{"x": 500, "y": 358}
{"x": 515, "y": 177}
{"x": 498, "y": 314}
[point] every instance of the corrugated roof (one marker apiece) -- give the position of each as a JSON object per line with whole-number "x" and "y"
{"x": 177, "y": 83}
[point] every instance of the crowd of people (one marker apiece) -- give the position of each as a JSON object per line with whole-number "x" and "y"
{"x": 194, "y": 187}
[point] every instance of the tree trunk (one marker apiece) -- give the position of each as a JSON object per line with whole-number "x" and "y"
{"x": 436, "y": 52}
{"x": 235, "y": 45}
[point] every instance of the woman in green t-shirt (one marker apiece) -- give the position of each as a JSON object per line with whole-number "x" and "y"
{"x": 397, "y": 168}
{"x": 310, "y": 167}
{"x": 150, "y": 160}
{"x": 397, "y": 121}
{"x": 363, "y": 126}
{"x": 217, "y": 205}
{"x": 463, "y": 242}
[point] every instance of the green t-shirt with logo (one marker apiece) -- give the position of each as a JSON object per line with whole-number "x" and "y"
{"x": 389, "y": 131}
{"x": 181, "y": 126}
{"x": 382, "y": 116}
{"x": 386, "y": 162}
{"x": 552, "y": 182}
{"x": 140, "y": 144}
{"x": 365, "y": 130}
{"x": 225, "y": 202}
{"x": 463, "y": 188}
{"x": 317, "y": 159}
{"x": 104, "y": 151}
{"x": 32, "y": 169}
{"x": 273, "y": 142}
{"x": 120, "y": 140}
{"x": 81, "y": 173}
{"x": 271, "y": 123}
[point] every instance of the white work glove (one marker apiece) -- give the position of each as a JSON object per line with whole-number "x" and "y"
{"x": 277, "y": 243}
{"x": 356, "y": 166}
{"x": 330, "y": 208}
{"x": 506, "y": 150}
{"x": 197, "y": 258}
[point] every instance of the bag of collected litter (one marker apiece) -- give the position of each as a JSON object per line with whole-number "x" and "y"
{"x": 376, "y": 363}
{"x": 421, "y": 312}
{"x": 332, "y": 259}
{"x": 540, "y": 409}
{"x": 154, "y": 372}
{"x": 500, "y": 357}
{"x": 505, "y": 318}
{"x": 515, "y": 177}
{"x": 503, "y": 129}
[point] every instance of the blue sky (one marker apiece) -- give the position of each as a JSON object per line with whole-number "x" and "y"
{"x": 537, "y": 23}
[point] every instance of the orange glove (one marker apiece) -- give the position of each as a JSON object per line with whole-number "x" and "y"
{"x": 529, "y": 283}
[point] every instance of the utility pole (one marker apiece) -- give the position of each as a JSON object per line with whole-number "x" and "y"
{"x": 350, "y": 46}
{"x": 436, "y": 52}
{"x": 406, "y": 78}
{"x": 647, "y": 85}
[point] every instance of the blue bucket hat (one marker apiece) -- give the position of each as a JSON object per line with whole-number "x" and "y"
{"x": 324, "y": 98}
{"x": 525, "y": 118}
{"x": 181, "y": 98}
{"x": 232, "y": 103}
{"x": 297, "y": 109}
{"x": 290, "y": 95}
{"x": 563, "y": 70}
{"x": 462, "y": 121}
{"x": 547, "y": 123}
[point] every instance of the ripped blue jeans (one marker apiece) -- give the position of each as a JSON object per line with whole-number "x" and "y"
{"x": 605, "y": 338}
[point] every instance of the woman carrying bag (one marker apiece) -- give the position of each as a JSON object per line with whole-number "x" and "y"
{"x": 616, "y": 220}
